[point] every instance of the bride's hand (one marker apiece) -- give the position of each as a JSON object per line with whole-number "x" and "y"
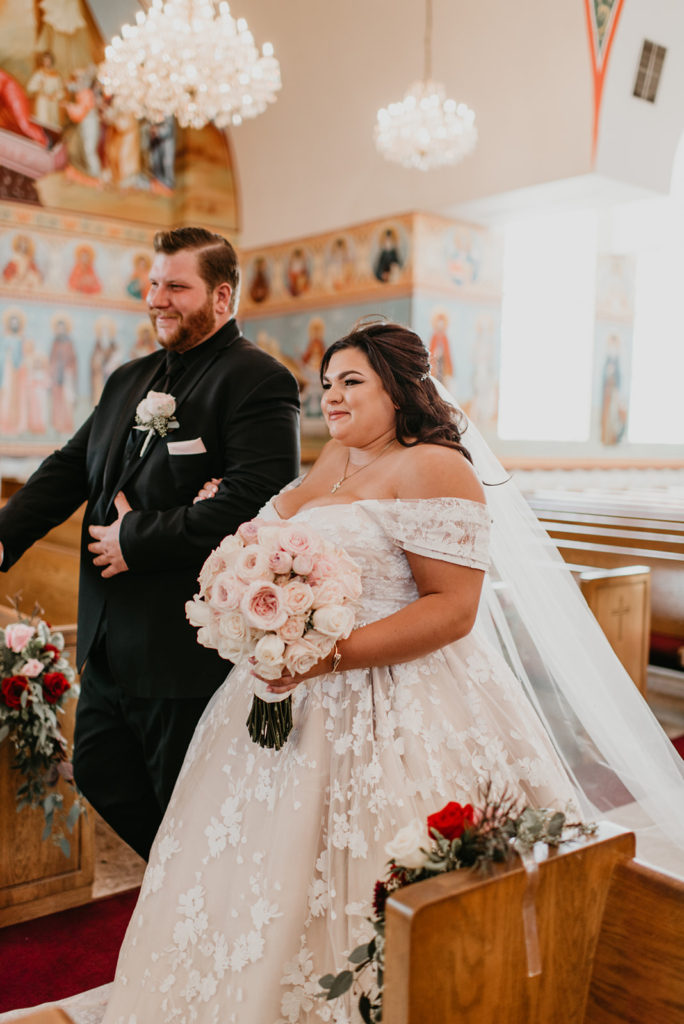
{"x": 288, "y": 682}
{"x": 208, "y": 490}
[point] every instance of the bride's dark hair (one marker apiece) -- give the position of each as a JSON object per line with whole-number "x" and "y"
{"x": 401, "y": 361}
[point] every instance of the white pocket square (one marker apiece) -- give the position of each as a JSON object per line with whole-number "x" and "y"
{"x": 193, "y": 447}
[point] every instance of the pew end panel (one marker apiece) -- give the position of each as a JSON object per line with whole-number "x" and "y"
{"x": 455, "y": 948}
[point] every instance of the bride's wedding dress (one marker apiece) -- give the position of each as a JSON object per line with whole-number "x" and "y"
{"x": 261, "y": 876}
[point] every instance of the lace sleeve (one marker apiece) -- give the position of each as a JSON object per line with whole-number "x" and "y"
{"x": 450, "y": 529}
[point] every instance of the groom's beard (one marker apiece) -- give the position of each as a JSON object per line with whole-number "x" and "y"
{"x": 191, "y": 330}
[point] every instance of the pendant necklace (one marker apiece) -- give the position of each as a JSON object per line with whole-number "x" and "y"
{"x": 335, "y": 487}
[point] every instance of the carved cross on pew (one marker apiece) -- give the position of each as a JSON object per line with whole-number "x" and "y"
{"x": 622, "y": 609}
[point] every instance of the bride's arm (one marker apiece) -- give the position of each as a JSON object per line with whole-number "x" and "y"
{"x": 445, "y": 611}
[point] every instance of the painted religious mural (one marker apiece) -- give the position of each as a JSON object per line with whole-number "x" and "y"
{"x": 64, "y": 143}
{"x": 71, "y": 311}
{"x": 439, "y": 277}
{"x": 613, "y": 348}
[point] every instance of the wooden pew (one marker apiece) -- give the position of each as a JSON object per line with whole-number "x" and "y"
{"x": 35, "y": 876}
{"x": 623, "y": 529}
{"x": 621, "y": 602}
{"x": 48, "y": 573}
{"x": 610, "y": 939}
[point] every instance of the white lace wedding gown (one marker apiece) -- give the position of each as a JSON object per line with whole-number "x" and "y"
{"x": 262, "y": 873}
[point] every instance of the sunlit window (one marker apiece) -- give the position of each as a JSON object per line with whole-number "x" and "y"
{"x": 547, "y": 328}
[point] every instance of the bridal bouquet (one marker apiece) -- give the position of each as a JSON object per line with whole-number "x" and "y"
{"x": 278, "y": 596}
{"x": 35, "y": 682}
{"x": 459, "y": 836}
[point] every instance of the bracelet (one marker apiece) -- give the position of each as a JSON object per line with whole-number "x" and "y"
{"x": 336, "y": 659}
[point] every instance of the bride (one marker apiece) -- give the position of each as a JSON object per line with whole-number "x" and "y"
{"x": 261, "y": 876}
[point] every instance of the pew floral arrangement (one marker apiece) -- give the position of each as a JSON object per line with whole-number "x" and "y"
{"x": 36, "y": 680}
{"x": 458, "y": 836}
{"x": 279, "y": 596}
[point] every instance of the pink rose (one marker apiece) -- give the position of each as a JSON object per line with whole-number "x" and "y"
{"x": 297, "y": 597}
{"x": 17, "y": 635}
{"x": 303, "y": 564}
{"x": 32, "y": 668}
{"x": 327, "y": 592}
{"x": 280, "y": 562}
{"x": 249, "y": 531}
{"x": 324, "y": 568}
{"x": 298, "y": 540}
{"x": 252, "y": 564}
{"x": 293, "y": 628}
{"x": 227, "y": 591}
{"x": 213, "y": 565}
{"x": 268, "y": 537}
{"x": 263, "y": 607}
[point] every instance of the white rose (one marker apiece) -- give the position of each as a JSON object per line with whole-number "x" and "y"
{"x": 231, "y": 651}
{"x": 160, "y": 404}
{"x": 143, "y": 411}
{"x": 207, "y": 636}
{"x": 408, "y": 846}
{"x": 230, "y": 544}
{"x": 335, "y": 620}
{"x": 197, "y": 612}
{"x": 301, "y": 655}
{"x": 233, "y": 628}
{"x": 252, "y": 564}
{"x": 269, "y": 652}
{"x": 321, "y": 642}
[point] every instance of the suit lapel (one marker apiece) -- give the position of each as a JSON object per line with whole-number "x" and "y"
{"x": 191, "y": 378}
{"x": 124, "y": 421}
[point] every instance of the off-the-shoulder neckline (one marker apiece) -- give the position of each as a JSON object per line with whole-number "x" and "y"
{"x": 375, "y": 501}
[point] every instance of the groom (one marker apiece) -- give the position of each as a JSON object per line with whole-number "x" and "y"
{"x": 146, "y": 680}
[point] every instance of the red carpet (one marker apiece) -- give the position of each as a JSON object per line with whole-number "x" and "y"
{"x": 62, "y": 954}
{"x": 679, "y": 745}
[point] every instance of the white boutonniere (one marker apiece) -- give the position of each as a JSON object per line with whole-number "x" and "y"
{"x": 155, "y": 414}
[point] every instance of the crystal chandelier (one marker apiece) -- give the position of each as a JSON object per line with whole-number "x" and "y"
{"x": 191, "y": 59}
{"x": 425, "y": 129}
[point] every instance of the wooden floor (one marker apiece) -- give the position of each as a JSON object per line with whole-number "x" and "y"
{"x": 117, "y": 867}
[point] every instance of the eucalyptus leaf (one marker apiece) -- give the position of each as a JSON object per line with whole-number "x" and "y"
{"x": 73, "y": 816}
{"x": 359, "y": 955}
{"x": 342, "y": 983}
{"x": 555, "y": 825}
{"x": 65, "y": 846}
{"x": 326, "y": 981}
{"x": 365, "y": 1009}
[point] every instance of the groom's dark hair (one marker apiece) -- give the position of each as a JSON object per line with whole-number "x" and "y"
{"x": 217, "y": 261}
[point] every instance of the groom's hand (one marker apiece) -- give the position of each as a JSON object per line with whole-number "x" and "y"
{"x": 106, "y": 547}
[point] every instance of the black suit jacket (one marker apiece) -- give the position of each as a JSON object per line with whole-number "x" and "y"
{"x": 244, "y": 406}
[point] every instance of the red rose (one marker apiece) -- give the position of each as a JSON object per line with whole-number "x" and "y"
{"x": 451, "y": 821}
{"x": 12, "y": 688}
{"x": 53, "y": 651}
{"x": 380, "y": 895}
{"x": 54, "y": 685}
